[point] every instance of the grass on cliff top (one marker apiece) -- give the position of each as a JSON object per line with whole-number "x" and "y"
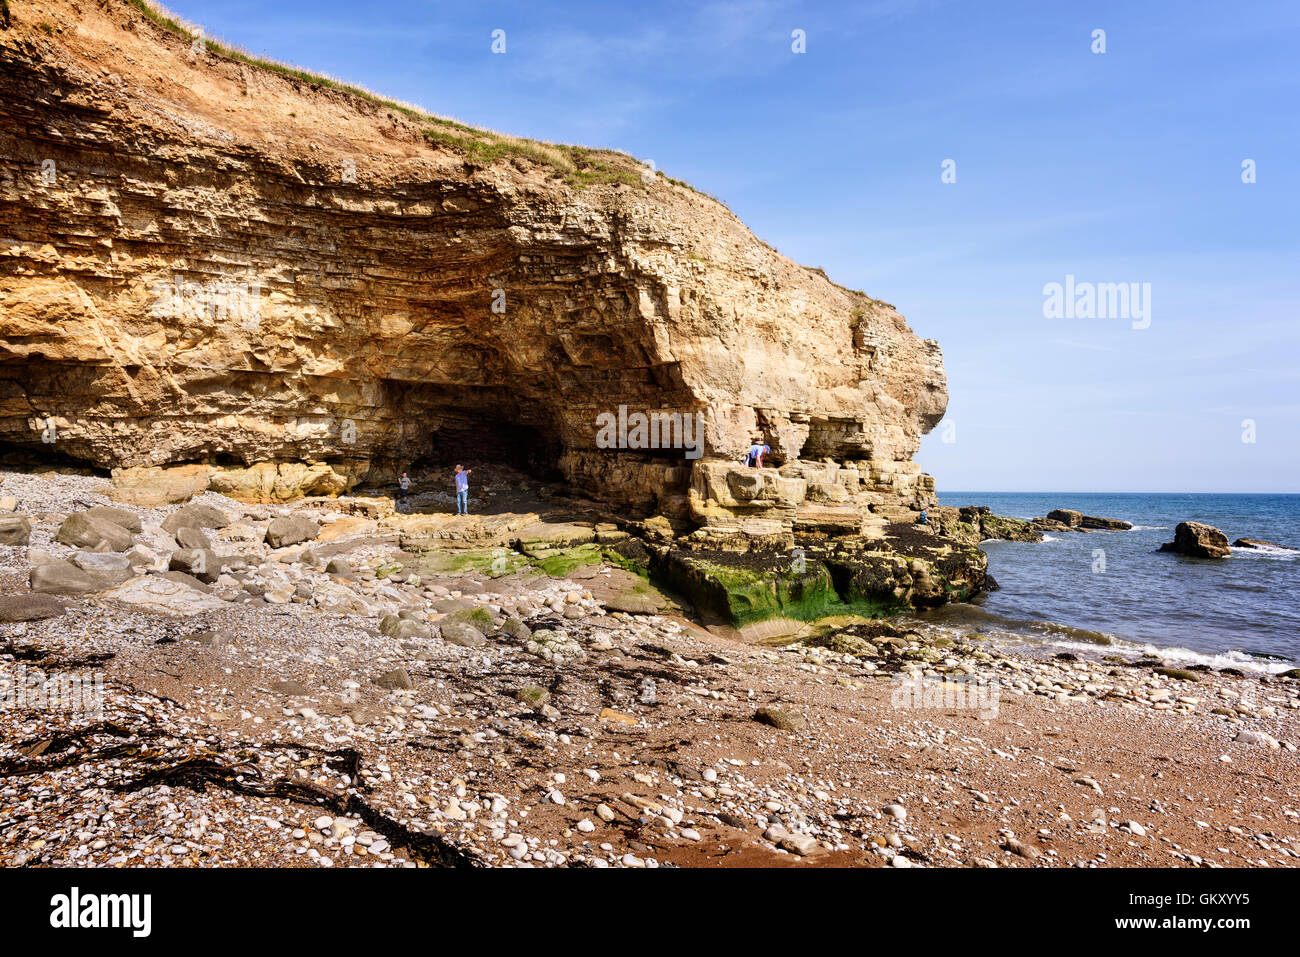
{"x": 577, "y": 166}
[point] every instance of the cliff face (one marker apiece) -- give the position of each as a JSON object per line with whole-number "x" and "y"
{"x": 204, "y": 261}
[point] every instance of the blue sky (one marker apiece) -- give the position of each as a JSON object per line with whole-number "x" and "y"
{"x": 1117, "y": 167}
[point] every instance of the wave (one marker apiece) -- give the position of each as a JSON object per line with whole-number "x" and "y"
{"x": 992, "y": 624}
{"x": 1041, "y": 636}
{"x": 1150, "y": 528}
{"x": 1241, "y": 660}
{"x": 1275, "y": 552}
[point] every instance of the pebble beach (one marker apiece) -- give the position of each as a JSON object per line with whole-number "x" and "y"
{"x": 320, "y": 704}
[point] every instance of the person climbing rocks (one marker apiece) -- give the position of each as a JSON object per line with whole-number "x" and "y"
{"x": 462, "y": 490}
{"x": 403, "y": 490}
{"x": 923, "y": 518}
{"x": 756, "y": 453}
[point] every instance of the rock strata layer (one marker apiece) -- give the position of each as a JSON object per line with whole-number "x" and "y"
{"x": 284, "y": 289}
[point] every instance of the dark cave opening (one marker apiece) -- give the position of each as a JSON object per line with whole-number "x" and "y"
{"x": 22, "y": 457}
{"x": 481, "y": 441}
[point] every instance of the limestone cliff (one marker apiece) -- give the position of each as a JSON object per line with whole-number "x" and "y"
{"x": 206, "y": 261}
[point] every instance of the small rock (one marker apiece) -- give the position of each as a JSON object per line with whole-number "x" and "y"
{"x": 780, "y": 719}
{"x": 896, "y": 811}
{"x": 398, "y": 678}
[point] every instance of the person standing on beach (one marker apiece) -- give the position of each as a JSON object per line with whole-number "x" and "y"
{"x": 403, "y": 490}
{"x": 462, "y": 490}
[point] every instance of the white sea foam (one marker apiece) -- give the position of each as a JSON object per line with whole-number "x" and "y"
{"x": 1185, "y": 656}
{"x": 1045, "y": 637}
{"x": 1267, "y": 551}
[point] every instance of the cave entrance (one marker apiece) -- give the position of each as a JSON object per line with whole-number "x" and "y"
{"x": 36, "y": 457}
{"x": 485, "y": 440}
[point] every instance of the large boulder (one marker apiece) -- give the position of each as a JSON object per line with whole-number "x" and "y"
{"x": 195, "y": 516}
{"x": 202, "y": 563}
{"x": 1198, "y": 540}
{"x": 163, "y": 595}
{"x": 82, "y": 530}
{"x": 290, "y": 530}
{"x": 397, "y": 627}
{"x": 118, "y": 516}
{"x": 111, "y": 568}
{"x": 188, "y": 537}
{"x": 64, "y": 578}
{"x": 1066, "y": 516}
{"x": 155, "y": 487}
{"x": 461, "y": 633}
{"x": 15, "y": 530}
{"x": 1105, "y": 524}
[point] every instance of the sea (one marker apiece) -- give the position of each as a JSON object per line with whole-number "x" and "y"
{"x": 1116, "y": 593}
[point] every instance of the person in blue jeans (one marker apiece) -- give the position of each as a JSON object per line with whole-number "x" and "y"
{"x": 462, "y": 490}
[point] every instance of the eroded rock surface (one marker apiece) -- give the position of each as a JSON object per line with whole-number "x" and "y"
{"x": 284, "y": 288}
{"x": 1198, "y": 540}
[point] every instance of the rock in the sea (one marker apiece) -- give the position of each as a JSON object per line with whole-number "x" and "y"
{"x": 1105, "y": 524}
{"x": 1257, "y": 543}
{"x": 290, "y": 530}
{"x": 15, "y": 530}
{"x": 1072, "y": 519}
{"x": 82, "y": 530}
{"x": 1198, "y": 540}
{"x": 30, "y": 607}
